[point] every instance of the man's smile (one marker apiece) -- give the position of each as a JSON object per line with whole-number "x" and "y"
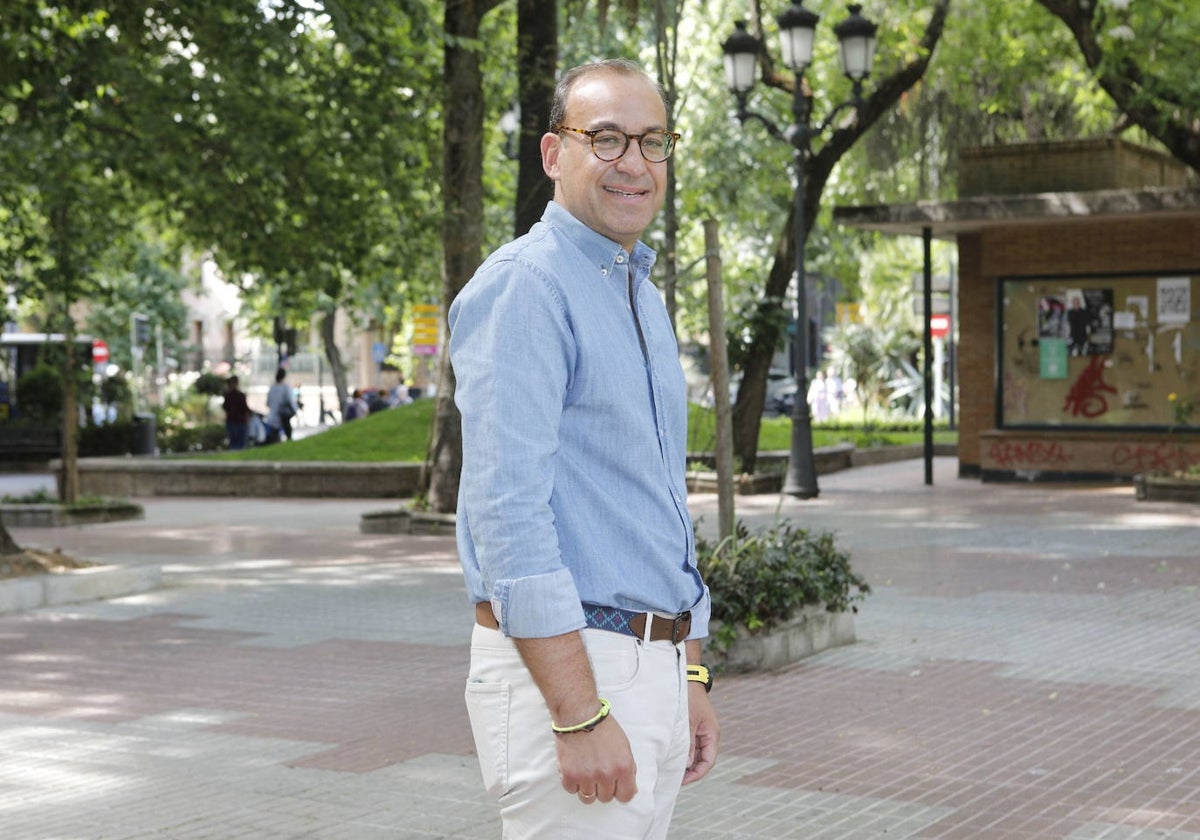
{"x": 629, "y": 192}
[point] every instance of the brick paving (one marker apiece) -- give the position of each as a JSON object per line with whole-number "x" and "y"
{"x": 1028, "y": 667}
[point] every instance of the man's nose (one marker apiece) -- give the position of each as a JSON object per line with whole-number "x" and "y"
{"x": 632, "y": 160}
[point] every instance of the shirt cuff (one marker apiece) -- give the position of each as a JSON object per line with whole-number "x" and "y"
{"x": 538, "y": 606}
{"x": 701, "y": 613}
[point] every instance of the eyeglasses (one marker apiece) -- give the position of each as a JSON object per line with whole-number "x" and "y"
{"x": 610, "y": 144}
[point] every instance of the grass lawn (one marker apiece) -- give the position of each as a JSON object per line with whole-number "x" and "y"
{"x": 402, "y": 434}
{"x": 396, "y": 434}
{"x": 776, "y": 433}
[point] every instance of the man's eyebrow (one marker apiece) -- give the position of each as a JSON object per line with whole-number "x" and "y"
{"x": 609, "y": 124}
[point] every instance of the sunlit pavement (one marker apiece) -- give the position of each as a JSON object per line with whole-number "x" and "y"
{"x": 1028, "y": 666}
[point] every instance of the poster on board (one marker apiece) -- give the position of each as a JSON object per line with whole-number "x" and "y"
{"x": 1174, "y": 300}
{"x": 1089, "y": 320}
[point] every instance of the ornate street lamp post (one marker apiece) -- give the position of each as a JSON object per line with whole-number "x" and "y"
{"x": 856, "y": 38}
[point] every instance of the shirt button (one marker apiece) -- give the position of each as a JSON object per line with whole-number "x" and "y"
{"x": 620, "y": 258}
{"x": 604, "y": 272}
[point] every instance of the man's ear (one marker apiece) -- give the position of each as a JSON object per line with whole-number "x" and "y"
{"x": 551, "y": 147}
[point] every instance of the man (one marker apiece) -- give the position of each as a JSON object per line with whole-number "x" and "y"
{"x": 237, "y": 414}
{"x": 281, "y": 408}
{"x": 573, "y": 528}
{"x": 1079, "y": 323}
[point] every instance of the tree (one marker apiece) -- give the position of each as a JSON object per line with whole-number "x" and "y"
{"x": 311, "y": 145}
{"x": 537, "y": 60}
{"x": 141, "y": 278}
{"x": 819, "y": 165}
{"x": 462, "y": 208}
{"x": 61, "y": 170}
{"x": 1141, "y": 55}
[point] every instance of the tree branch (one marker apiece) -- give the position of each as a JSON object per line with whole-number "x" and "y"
{"x": 1159, "y": 113}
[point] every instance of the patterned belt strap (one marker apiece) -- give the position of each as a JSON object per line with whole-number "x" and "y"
{"x": 651, "y": 627}
{"x": 614, "y": 619}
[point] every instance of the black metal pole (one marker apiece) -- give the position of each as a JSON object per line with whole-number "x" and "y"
{"x": 801, "y": 478}
{"x": 927, "y": 293}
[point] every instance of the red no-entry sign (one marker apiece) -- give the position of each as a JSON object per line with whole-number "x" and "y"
{"x": 939, "y": 326}
{"x": 99, "y": 351}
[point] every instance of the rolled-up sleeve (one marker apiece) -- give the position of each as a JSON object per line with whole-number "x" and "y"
{"x": 512, "y": 352}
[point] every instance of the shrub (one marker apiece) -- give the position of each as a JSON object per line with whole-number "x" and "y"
{"x": 186, "y": 438}
{"x": 40, "y": 394}
{"x": 110, "y": 439}
{"x": 116, "y": 391}
{"x": 762, "y": 580}
{"x": 210, "y": 384}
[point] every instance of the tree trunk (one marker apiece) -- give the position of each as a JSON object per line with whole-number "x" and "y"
{"x": 7, "y": 544}
{"x": 334, "y": 356}
{"x": 765, "y": 340}
{"x": 70, "y": 420}
{"x": 666, "y": 20}
{"x": 462, "y": 224}
{"x": 537, "y": 58}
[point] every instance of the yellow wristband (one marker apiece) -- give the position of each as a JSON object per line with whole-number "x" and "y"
{"x": 700, "y": 674}
{"x": 588, "y": 725}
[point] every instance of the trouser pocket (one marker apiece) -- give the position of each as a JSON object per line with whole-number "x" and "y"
{"x": 488, "y": 706}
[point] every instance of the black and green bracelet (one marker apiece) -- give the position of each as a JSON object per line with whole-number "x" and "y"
{"x": 588, "y": 725}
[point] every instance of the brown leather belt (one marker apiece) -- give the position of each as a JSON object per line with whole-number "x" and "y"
{"x": 662, "y": 629}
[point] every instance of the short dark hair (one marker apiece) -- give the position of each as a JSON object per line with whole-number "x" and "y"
{"x": 618, "y": 66}
{"x": 280, "y": 374}
{"x": 232, "y": 381}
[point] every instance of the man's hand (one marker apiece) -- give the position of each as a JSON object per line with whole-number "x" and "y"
{"x": 706, "y": 734}
{"x": 597, "y": 765}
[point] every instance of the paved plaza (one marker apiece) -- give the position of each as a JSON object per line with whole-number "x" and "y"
{"x": 1027, "y": 667}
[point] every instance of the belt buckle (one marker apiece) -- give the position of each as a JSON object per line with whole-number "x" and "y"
{"x": 677, "y": 624}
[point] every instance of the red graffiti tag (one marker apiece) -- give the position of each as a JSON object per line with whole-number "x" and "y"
{"x": 1032, "y": 454}
{"x": 1162, "y": 457}
{"x": 1085, "y": 396}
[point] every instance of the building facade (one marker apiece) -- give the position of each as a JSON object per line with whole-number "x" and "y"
{"x": 1079, "y": 308}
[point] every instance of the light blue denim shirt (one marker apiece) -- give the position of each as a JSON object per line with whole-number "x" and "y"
{"x": 574, "y": 439}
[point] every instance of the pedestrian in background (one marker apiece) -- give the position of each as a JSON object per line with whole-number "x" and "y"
{"x": 355, "y": 407}
{"x": 237, "y": 414}
{"x": 586, "y": 695}
{"x": 281, "y": 408}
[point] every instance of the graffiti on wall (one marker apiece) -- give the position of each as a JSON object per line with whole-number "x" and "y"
{"x": 1086, "y": 397}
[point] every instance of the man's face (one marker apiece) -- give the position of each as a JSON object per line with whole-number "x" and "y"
{"x": 619, "y": 198}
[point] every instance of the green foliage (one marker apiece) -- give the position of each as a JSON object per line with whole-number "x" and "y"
{"x": 40, "y": 394}
{"x": 116, "y": 391}
{"x": 177, "y": 439}
{"x": 1182, "y": 410}
{"x": 137, "y": 277}
{"x": 761, "y": 580}
{"x": 108, "y": 439}
{"x": 209, "y": 384}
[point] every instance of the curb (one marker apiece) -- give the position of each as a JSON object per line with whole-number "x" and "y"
{"x": 95, "y": 583}
{"x": 52, "y": 515}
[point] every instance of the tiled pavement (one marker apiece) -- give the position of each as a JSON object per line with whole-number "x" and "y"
{"x": 1028, "y": 667}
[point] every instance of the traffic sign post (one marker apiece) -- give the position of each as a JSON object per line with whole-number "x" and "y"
{"x": 939, "y": 326}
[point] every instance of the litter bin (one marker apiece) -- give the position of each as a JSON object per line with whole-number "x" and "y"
{"x": 144, "y": 430}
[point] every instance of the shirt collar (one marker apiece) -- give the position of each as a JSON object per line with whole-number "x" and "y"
{"x": 599, "y": 249}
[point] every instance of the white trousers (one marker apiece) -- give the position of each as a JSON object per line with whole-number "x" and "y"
{"x": 646, "y": 682}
